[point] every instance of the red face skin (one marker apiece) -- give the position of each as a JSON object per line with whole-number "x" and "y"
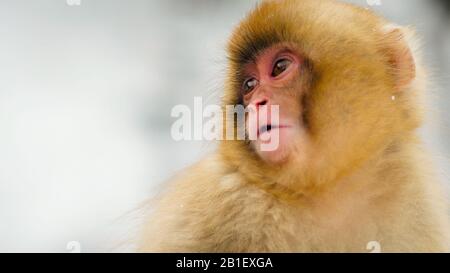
{"x": 274, "y": 79}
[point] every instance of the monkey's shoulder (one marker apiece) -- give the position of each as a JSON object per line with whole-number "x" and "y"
{"x": 207, "y": 207}
{"x": 212, "y": 181}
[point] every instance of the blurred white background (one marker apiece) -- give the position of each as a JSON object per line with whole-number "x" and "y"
{"x": 85, "y": 98}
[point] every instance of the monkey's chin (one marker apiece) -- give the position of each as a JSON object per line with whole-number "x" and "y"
{"x": 276, "y": 145}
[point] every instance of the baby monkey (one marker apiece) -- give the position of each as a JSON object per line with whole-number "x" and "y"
{"x": 348, "y": 169}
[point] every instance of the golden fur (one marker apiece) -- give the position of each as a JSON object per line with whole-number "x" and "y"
{"x": 366, "y": 177}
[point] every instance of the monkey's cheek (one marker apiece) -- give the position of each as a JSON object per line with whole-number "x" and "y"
{"x": 275, "y": 145}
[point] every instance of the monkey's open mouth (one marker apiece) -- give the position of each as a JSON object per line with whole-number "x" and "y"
{"x": 266, "y": 128}
{"x": 269, "y": 127}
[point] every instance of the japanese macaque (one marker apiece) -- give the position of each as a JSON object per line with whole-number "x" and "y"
{"x": 349, "y": 168}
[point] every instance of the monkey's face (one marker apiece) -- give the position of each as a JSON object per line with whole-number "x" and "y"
{"x": 343, "y": 81}
{"x": 273, "y": 85}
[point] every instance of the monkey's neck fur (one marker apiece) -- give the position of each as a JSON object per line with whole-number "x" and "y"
{"x": 287, "y": 183}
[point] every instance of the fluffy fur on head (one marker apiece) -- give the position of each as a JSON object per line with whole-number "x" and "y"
{"x": 351, "y": 113}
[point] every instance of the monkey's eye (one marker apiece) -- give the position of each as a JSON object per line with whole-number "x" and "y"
{"x": 280, "y": 66}
{"x": 249, "y": 85}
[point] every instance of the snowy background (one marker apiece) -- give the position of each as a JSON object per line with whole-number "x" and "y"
{"x": 85, "y": 98}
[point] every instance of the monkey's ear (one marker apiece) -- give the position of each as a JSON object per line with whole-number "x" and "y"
{"x": 400, "y": 56}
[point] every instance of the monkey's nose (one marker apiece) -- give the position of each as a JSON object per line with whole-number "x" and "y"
{"x": 261, "y": 103}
